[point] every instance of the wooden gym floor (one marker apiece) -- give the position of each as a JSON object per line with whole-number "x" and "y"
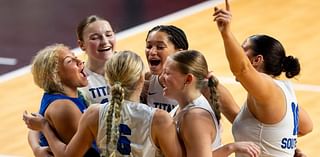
{"x": 293, "y": 22}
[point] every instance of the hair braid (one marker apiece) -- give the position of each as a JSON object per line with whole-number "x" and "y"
{"x": 123, "y": 71}
{"x": 113, "y": 117}
{"x": 214, "y": 97}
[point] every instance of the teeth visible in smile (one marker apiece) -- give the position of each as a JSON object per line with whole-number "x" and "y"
{"x": 105, "y": 49}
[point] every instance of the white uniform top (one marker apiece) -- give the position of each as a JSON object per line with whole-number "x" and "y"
{"x": 97, "y": 90}
{"x": 134, "y": 128}
{"x": 155, "y": 96}
{"x": 200, "y": 102}
{"x": 278, "y": 140}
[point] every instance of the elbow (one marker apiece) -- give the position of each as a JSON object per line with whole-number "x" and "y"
{"x": 305, "y": 130}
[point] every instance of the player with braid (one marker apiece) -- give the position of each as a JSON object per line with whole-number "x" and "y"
{"x": 122, "y": 127}
{"x": 184, "y": 75}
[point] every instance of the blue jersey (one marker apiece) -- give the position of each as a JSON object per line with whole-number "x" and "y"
{"x": 47, "y": 99}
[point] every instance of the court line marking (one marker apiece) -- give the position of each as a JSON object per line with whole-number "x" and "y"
{"x": 169, "y": 18}
{"x": 8, "y": 155}
{"x": 146, "y": 26}
{"x": 129, "y": 32}
{"x": 8, "y": 61}
{"x": 296, "y": 86}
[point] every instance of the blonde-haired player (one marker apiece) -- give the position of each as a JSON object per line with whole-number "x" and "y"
{"x": 122, "y": 127}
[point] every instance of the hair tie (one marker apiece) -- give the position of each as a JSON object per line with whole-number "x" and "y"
{"x": 117, "y": 82}
{"x": 210, "y": 82}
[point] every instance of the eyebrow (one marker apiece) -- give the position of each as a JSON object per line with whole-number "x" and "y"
{"x": 73, "y": 56}
{"x": 108, "y": 31}
{"x": 157, "y": 42}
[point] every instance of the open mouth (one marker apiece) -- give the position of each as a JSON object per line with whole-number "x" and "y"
{"x": 154, "y": 62}
{"x": 83, "y": 73}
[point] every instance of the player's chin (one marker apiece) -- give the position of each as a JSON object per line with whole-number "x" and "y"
{"x": 83, "y": 83}
{"x": 166, "y": 93}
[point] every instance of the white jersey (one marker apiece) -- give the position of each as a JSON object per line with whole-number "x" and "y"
{"x": 155, "y": 96}
{"x": 97, "y": 90}
{"x": 200, "y": 102}
{"x": 134, "y": 128}
{"x": 276, "y": 140}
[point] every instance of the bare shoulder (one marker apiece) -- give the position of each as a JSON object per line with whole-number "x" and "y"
{"x": 90, "y": 119}
{"x": 62, "y": 108}
{"x": 161, "y": 118}
{"x": 195, "y": 123}
{"x": 196, "y": 113}
{"x": 92, "y": 112}
{"x": 197, "y": 118}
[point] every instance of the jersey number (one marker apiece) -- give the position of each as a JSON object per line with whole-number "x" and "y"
{"x": 295, "y": 111}
{"x": 123, "y": 145}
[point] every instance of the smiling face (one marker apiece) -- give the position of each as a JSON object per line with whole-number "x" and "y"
{"x": 172, "y": 79}
{"x": 98, "y": 41}
{"x": 158, "y": 48}
{"x": 70, "y": 69}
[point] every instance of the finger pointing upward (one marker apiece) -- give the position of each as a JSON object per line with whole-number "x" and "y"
{"x": 227, "y": 5}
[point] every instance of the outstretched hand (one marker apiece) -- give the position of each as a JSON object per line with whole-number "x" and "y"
{"x": 222, "y": 17}
{"x": 34, "y": 121}
{"x": 248, "y": 148}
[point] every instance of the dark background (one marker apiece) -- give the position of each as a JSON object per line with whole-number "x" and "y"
{"x": 27, "y": 26}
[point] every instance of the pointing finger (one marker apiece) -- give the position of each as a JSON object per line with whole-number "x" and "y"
{"x": 227, "y": 5}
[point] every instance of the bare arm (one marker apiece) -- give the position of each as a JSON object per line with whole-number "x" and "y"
{"x": 164, "y": 134}
{"x": 63, "y": 116}
{"x": 83, "y": 138}
{"x": 228, "y": 106}
{"x": 305, "y": 122}
{"x": 38, "y": 151}
{"x": 240, "y": 65}
{"x": 248, "y": 148}
{"x": 80, "y": 142}
{"x": 266, "y": 94}
{"x": 197, "y": 132}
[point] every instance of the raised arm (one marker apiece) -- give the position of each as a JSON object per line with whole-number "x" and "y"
{"x": 267, "y": 96}
{"x": 254, "y": 82}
